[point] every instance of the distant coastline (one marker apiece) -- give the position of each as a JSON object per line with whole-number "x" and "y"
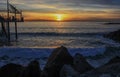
{"x": 111, "y": 23}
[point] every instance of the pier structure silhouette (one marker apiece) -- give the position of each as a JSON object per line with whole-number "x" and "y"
{"x": 7, "y": 16}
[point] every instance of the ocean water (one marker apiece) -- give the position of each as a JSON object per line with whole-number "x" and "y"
{"x": 37, "y": 40}
{"x": 69, "y": 34}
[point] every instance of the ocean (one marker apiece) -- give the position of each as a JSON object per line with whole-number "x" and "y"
{"x": 68, "y": 34}
{"x": 37, "y": 40}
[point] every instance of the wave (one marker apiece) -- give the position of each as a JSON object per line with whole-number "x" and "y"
{"x": 58, "y": 34}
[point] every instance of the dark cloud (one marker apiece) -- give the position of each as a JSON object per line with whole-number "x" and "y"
{"x": 84, "y": 2}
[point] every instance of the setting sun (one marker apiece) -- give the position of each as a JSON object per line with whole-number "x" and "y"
{"x": 59, "y": 17}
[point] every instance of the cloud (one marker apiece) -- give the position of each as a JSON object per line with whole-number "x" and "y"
{"x": 66, "y": 4}
{"x": 111, "y": 7}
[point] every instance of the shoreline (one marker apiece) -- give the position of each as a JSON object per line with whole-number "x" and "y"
{"x": 57, "y": 57}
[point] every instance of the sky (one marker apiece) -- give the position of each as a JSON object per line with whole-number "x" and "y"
{"x": 68, "y": 9}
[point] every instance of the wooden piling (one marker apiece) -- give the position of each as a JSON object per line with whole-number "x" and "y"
{"x": 8, "y": 22}
{"x": 16, "y": 33}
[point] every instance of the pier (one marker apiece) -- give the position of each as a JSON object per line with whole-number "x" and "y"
{"x": 7, "y": 16}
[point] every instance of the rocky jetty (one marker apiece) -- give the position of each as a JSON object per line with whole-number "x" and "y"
{"x": 80, "y": 64}
{"x": 111, "y": 69}
{"x": 16, "y": 70}
{"x": 32, "y": 70}
{"x": 68, "y": 71}
{"x": 114, "y": 35}
{"x": 56, "y": 61}
{"x": 114, "y": 60}
{"x": 11, "y": 70}
{"x": 61, "y": 64}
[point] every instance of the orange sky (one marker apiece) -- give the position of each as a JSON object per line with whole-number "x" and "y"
{"x": 67, "y": 9}
{"x": 79, "y": 16}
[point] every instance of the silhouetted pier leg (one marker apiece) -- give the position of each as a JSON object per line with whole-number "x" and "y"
{"x": 16, "y": 28}
{"x": 8, "y": 23}
{"x": 16, "y": 31}
{"x": 3, "y": 29}
{"x": 8, "y": 30}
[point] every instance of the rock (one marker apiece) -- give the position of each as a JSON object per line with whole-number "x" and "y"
{"x": 118, "y": 75}
{"x": 33, "y": 70}
{"x": 11, "y": 70}
{"x": 59, "y": 57}
{"x": 80, "y": 64}
{"x": 113, "y": 70}
{"x": 114, "y": 60}
{"x": 114, "y": 35}
{"x": 105, "y": 75}
{"x": 68, "y": 71}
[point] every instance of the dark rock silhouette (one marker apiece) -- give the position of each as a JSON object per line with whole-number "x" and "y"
{"x": 80, "y": 64}
{"x": 57, "y": 59}
{"x": 114, "y": 60}
{"x": 68, "y": 71}
{"x": 114, "y": 35}
{"x": 11, "y": 70}
{"x": 111, "y": 69}
{"x": 1, "y": 19}
{"x": 62, "y": 64}
{"x": 33, "y": 70}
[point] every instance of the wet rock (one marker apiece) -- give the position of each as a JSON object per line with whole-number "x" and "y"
{"x": 114, "y": 35}
{"x": 114, "y": 60}
{"x": 68, "y": 71}
{"x": 11, "y": 70}
{"x": 33, "y": 70}
{"x": 118, "y": 75}
{"x": 80, "y": 64}
{"x": 113, "y": 70}
{"x": 59, "y": 57}
{"x": 105, "y": 75}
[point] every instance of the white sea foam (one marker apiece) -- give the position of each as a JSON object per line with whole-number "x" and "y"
{"x": 69, "y": 34}
{"x": 40, "y": 38}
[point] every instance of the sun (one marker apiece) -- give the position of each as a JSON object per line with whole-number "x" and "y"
{"x": 59, "y": 17}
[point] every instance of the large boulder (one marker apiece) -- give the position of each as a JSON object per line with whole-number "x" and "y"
{"x": 11, "y": 70}
{"x": 32, "y": 70}
{"x": 59, "y": 57}
{"x": 114, "y": 35}
{"x": 68, "y": 71}
{"x": 80, "y": 64}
